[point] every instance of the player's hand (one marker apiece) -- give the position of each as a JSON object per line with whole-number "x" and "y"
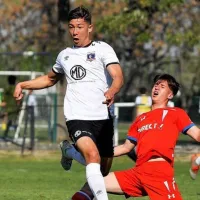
{"x": 18, "y": 95}
{"x": 109, "y": 97}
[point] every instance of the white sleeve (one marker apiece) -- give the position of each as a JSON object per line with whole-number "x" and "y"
{"x": 170, "y": 104}
{"x": 57, "y": 68}
{"x": 149, "y": 101}
{"x": 32, "y": 101}
{"x": 108, "y": 54}
{"x": 138, "y": 100}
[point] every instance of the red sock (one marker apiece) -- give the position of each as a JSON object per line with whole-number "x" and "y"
{"x": 80, "y": 196}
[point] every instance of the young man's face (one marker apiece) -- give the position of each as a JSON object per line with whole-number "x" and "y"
{"x": 161, "y": 92}
{"x": 80, "y": 31}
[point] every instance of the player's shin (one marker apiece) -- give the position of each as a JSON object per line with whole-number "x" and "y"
{"x": 74, "y": 154}
{"x": 96, "y": 181}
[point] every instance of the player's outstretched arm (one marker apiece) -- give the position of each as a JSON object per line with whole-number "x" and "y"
{"x": 124, "y": 148}
{"x": 115, "y": 72}
{"x": 194, "y": 132}
{"x": 38, "y": 83}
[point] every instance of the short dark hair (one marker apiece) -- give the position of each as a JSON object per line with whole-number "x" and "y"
{"x": 12, "y": 79}
{"x": 80, "y": 12}
{"x": 142, "y": 90}
{"x": 173, "y": 84}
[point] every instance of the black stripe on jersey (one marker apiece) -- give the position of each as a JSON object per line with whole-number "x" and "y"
{"x": 111, "y": 63}
{"x": 55, "y": 71}
{"x": 89, "y": 44}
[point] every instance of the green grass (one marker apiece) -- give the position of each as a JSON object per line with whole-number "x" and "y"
{"x": 40, "y": 177}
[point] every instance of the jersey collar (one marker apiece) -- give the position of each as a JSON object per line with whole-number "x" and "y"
{"x": 75, "y": 47}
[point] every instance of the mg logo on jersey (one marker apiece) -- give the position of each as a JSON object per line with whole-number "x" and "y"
{"x": 91, "y": 56}
{"x": 77, "y": 72}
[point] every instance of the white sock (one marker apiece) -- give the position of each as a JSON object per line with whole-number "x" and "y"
{"x": 198, "y": 161}
{"x": 73, "y": 153}
{"x": 96, "y": 181}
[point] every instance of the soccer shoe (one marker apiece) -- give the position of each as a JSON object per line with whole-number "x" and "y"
{"x": 65, "y": 161}
{"x": 194, "y": 167}
{"x": 80, "y": 196}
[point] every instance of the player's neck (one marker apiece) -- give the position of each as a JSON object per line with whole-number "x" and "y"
{"x": 85, "y": 43}
{"x": 158, "y": 105}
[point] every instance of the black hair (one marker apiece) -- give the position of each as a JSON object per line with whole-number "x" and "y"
{"x": 80, "y": 12}
{"x": 12, "y": 79}
{"x": 172, "y": 83}
{"x": 142, "y": 90}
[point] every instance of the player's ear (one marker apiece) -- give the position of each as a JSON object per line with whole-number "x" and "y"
{"x": 170, "y": 96}
{"x": 90, "y": 28}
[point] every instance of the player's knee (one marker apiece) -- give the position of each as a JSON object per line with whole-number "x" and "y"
{"x": 92, "y": 157}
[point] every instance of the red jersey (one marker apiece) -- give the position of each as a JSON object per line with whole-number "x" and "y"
{"x": 157, "y": 131}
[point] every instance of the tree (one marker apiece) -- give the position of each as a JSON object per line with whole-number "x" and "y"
{"x": 151, "y": 37}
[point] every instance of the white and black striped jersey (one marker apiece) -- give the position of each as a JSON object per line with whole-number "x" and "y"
{"x": 85, "y": 69}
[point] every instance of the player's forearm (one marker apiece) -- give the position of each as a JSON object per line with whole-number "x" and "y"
{"x": 198, "y": 135}
{"x": 194, "y": 132}
{"x": 120, "y": 150}
{"x": 38, "y": 83}
{"x": 117, "y": 84}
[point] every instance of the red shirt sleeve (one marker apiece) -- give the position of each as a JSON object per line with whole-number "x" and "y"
{"x": 184, "y": 122}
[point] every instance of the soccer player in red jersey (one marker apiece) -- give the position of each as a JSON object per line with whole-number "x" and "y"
{"x": 154, "y": 134}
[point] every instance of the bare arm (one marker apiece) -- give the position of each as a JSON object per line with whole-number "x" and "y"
{"x": 38, "y": 83}
{"x": 115, "y": 72}
{"x": 124, "y": 148}
{"x": 194, "y": 132}
{"x": 3, "y": 104}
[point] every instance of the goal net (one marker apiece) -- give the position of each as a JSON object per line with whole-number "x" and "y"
{"x": 44, "y": 105}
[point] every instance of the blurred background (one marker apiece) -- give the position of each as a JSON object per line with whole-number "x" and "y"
{"x": 149, "y": 37}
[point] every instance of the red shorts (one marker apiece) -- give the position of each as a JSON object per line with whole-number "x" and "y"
{"x": 153, "y": 179}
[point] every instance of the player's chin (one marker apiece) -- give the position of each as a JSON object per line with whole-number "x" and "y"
{"x": 154, "y": 97}
{"x": 76, "y": 41}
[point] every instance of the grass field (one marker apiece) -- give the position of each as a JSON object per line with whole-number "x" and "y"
{"x": 40, "y": 177}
